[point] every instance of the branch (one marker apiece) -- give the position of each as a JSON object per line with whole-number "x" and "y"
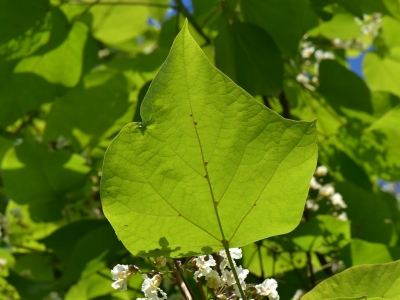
{"x": 138, "y": 3}
{"x": 192, "y": 20}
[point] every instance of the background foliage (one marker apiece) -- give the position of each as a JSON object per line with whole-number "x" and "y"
{"x": 73, "y": 73}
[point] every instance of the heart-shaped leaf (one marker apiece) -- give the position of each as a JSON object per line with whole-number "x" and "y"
{"x": 208, "y": 166}
{"x": 361, "y": 282}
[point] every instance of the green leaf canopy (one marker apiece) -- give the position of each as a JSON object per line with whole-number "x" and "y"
{"x": 207, "y": 163}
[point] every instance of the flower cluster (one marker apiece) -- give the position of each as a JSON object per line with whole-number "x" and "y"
{"x": 326, "y": 191}
{"x": 223, "y": 281}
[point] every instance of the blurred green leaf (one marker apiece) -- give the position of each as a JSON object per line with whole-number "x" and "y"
{"x": 369, "y": 213}
{"x": 321, "y": 234}
{"x": 88, "y": 111}
{"x": 60, "y": 240}
{"x": 210, "y": 141}
{"x": 340, "y": 26}
{"x": 343, "y": 89}
{"x": 49, "y": 71}
{"x": 285, "y": 20}
{"x": 35, "y": 266}
{"x": 360, "y": 252}
{"x": 25, "y": 26}
{"x": 382, "y": 68}
{"x": 47, "y": 176}
{"x": 249, "y": 56}
{"x": 359, "y": 281}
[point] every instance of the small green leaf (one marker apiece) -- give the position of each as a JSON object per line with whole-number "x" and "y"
{"x": 207, "y": 163}
{"x": 249, "y": 56}
{"x": 361, "y": 282}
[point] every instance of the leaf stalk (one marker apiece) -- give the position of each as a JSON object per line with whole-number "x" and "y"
{"x": 228, "y": 254}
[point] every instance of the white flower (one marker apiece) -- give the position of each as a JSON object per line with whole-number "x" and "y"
{"x": 311, "y": 205}
{"x": 150, "y": 287}
{"x": 307, "y": 51}
{"x": 328, "y": 55}
{"x": 268, "y": 288}
{"x": 337, "y": 200}
{"x": 342, "y": 217}
{"x": 3, "y": 262}
{"x": 120, "y": 274}
{"x": 236, "y": 253}
{"x": 314, "y": 184}
{"x": 204, "y": 265}
{"x": 302, "y": 78}
{"x": 319, "y": 55}
{"x": 321, "y": 171}
{"x": 229, "y": 278}
{"x": 327, "y": 190}
{"x": 213, "y": 279}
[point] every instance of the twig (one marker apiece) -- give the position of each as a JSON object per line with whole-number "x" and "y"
{"x": 192, "y": 20}
{"x": 184, "y": 286}
{"x": 138, "y": 3}
{"x": 285, "y": 105}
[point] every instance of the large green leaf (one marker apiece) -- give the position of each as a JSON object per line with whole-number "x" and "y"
{"x": 285, "y": 20}
{"x": 249, "y": 56}
{"x": 365, "y": 282}
{"x": 207, "y": 163}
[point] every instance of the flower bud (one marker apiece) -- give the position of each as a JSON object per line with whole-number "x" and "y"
{"x": 133, "y": 269}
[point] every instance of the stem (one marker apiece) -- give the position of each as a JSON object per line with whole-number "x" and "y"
{"x": 120, "y": 3}
{"x": 285, "y": 105}
{"x": 87, "y": 8}
{"x": 266, "y": 101}
{"x": 202, "y": 295}
{"x": 183, "y": 283}
{"x": 192, "y": 20}
{"x": 310, "y": 268}
{"x": 260, "y": 258}
{"x": 228, "y": 254}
